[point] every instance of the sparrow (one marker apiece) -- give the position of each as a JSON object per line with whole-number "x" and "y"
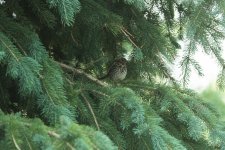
{"x": 117, "y": 71}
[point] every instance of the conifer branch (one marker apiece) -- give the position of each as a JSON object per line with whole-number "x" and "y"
{"x": 132, "y": 111}
{"x": 92, "y": 112}
{"x": 166, "y": 72}
{"x": 48, "y": 94}
{"x": 80, "y": 72}
{"x": 186, "y": 63}
{"x": 9, "y": 49}
{"x": 146, "y": 145}
{"x": 20, "y": 47}
{"x": 15, "y": 41}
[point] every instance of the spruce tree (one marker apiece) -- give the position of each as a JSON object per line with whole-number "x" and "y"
{"x": 52, "y": 53}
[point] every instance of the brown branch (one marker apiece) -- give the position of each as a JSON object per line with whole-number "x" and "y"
{"x": 29, "y": 144}
{"x": 92, "y": 112}
{"x": 74, "y": 40}
{"x": 98, "y": 92}
{"x": 105, "y": 95}
{"x": 15, "y": 143}
{"x": 20, "y": 47}
{"x": 81, "y": 72}
{"x": 16, "y": 42}
{"x": 140, "y": 86}
{"x": 70, "y": 146}
{"x": 88, "y": 65}
{"x": 124, "y": 29}
{"x": 70, "y": 82}
{"x": 127, "y": 35}
{"x": 53, "y": 134}
{"x": 57, "y": 136}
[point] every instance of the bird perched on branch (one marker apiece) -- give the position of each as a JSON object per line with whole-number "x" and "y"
{"x": 117, "y": 71}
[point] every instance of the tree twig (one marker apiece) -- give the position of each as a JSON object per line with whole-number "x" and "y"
{"x": 126, "y": 34}
{"x": 15, "y": 143}
{"x": 92, "y": 112}
{"x": 53, "y": 134}
{"x": 124, "y": 29}
{"x": 57, "y": 136}
{"x": 81, "y": 72}
{"x": 98, "y": 92}
{"x": 74, "y": 40}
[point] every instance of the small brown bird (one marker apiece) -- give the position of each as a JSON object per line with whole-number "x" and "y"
{"x": 117, "y": 71}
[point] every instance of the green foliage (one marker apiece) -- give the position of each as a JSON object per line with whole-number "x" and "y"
{"x": 52, "y": 52}
{"x": 37, "y": 75}
{"x": 23, "y": 133}
{"x": 67, "y": 9}
{"x": 25, "y": 69}
{"x": 215, "y": 98}
{"x": 139, "y": 4}
{"x": 40, "y": 9}
{"x": 204, "y": 29}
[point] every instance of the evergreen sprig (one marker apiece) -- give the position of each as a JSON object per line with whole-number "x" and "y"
{"x": 52, "y": 53}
